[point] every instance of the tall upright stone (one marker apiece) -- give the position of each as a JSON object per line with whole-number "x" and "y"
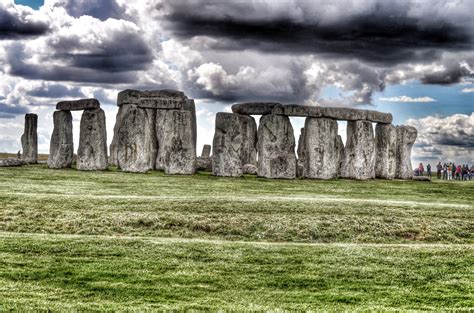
{"x": 233, "y": 145}
{"x": 29, "y": 139}
{"x": 359, "y": 159}
{"x": 276, "y": 147}
{"x": 341, "y": 153}
{"x": 113, "y": 150}
{"x": 61, "y": 149}
{"x": 92, "y": 152}
{"x": 300, "y": 148}
{"x": 321, "y": 154}
{"x": 385, "y": 151}
{"x": 406, "y": 136}
{"x": 136, "y": 144}
{"x": 177, "y": 143}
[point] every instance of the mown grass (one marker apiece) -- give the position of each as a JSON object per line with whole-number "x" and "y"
{"x": 36, "y": 199}
{"x": 80, "y": 273}
{"x": 72, "y": 240}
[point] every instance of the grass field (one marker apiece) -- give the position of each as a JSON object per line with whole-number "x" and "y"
{"x": 75, "y": 240}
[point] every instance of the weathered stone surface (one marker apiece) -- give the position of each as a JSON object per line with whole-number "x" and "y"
{"x": 206, "y": 151}
{"x": 248, "y": 152}
{"x": 385, "y": 151}
{"x": 230, "y": 144}
{"x": 175, "y": 134}
{"x": 204, "y": 163}
{"x": 276, "y": 147}
{"x": 406, "y": 136}
{"x": 76, "y": 105}
{"x": 422, "y": 178}
{"x": 298, "y": 110}
{"x": 29, "y": 139}
{"x": 92, "y": 151}
{"x": 254, "y": 108}
{"x": 61, "y": 147}
{"x": 359, "y": 159}
{"x": 162, "y": 103}
{"x": 131, "y": 96}
{"x": 341, "y": 153}
{"x": 191, "y": 107}
{"x": 249, "y": 169}
{"x": 113, "y": 149}
{"x": 336, "y": 113}
{"x": 300, "y": 148}
{"x": 10, "y": 162}
{"x": 136, "y": 139}
{"x": 321, "y": 148}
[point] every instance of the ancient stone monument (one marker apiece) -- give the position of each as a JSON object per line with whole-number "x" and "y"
{"x": 385, "y": 151}
{"x": 29, "y": 139}
{"x": 154, "y": 130}
{"x": 92, "y": 152}
{"x": 406, "y": 136}
{"x": 204, "y": 162}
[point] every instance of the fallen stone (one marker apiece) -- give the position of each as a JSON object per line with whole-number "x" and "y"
{"x": 204, "y": 164}
{"x": 131, "y": 96}
{"x": 76, "y": 105}
{"x": 206, "y": 151}
{"x": 136, "y": 144}
{"x": 230, "y": 137}
{"x": 254, "y": 108}
{"x": 422, "y": 178}
{"x": 359, "y": 159}
{"x": 406, "y": 136}
{"x": 61, "y": 148}
{"x": 177, "y": 147}
{"x": 92, "y": 151}
{"x": 321, "y": 159}
{"x": 10, "y": 162}
{"x": 249, "y": 169}
{"x": 276, "y": 147}
{"x": 385, "y": 151}
{"x": 29, "y": 139}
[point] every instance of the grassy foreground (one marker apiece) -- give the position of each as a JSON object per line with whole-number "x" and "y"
{"x": 73, "y": 240}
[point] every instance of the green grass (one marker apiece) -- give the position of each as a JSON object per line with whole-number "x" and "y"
{"x": 73, "y": 240}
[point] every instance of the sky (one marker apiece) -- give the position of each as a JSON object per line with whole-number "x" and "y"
{"x": 414, "y": 59}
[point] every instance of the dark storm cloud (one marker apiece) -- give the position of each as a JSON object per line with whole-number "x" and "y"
{"x": 8, "y": 111}
{"x": 55, "y": 91}
{"x": 385, "y": 35}
{"x": 102, "y": 9}
{"x": 15, "y": 25}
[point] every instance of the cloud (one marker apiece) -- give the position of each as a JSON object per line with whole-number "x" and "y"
{"x": 373, "y": 31}
{"x": 448, "y": 138}
{"x": 408, "y": 99}
{"x": 9, "y": 111}
{"x": 20, "y": 21}
{"x": 467, "y": 90}
{"x": 101, "y": 10}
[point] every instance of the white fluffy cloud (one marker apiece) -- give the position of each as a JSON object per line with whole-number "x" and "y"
{"x": 467, "y": 90}
{"x": 407, "y": 99}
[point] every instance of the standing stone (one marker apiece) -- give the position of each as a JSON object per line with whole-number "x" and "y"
{"x": 114, "y": 144}
{"x": 61, "y": 148}
{"x": 359, "y": 159}
{"x": 406, "y": 136}
{"x": 300, "y": 149}
{"x": 176, "y": 141}
{"x": 92, "y": 152}
{"x": 248, "y": 152}
{"x": 206, "y": 151}
{"x": 276, "y": 147}
{"x": 29, "y": 139}
{"x": 136, "y": 144}
{"x": 385, "y": 151}
{"x": 321, "y": 151}
{"x": 229, "y": 137}
{"x": 341, "y": 153}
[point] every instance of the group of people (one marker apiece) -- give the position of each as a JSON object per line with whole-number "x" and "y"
{"x": 448, "y": 171}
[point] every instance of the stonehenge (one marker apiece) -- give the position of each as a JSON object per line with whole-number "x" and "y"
{"x": 61, "y": 146}
{"x": 276, "y": 147}
{"x": 92, "y": 151}
{"x": 157, "y": 129}
{"x": 29, "y": 139}
{"x": 359, "y": 152}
